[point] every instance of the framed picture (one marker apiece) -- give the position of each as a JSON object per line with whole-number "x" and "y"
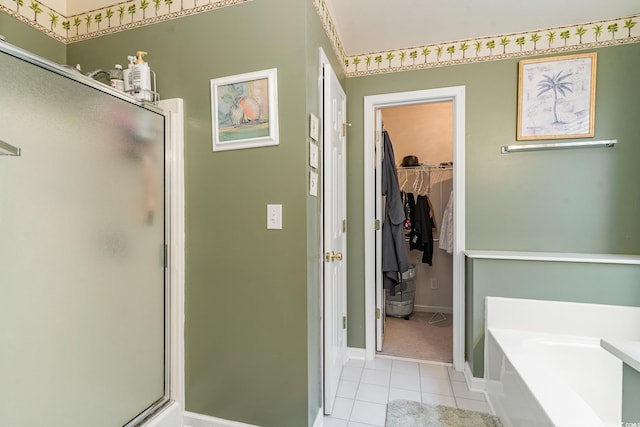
{"x": 244, "y": 110}
{"x": 556, "y": 97}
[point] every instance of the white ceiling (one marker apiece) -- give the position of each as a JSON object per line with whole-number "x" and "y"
{"x": 367, "y": 26}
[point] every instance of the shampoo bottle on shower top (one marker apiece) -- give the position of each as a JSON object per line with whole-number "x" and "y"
{"x": 128, "y": 83}
{"x": 141, "y": 78}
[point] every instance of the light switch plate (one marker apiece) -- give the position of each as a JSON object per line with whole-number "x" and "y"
{"x": 313, "y": 155}
{"x": 313, "y": 184}
{"x": 314, "y": 128}
{"x": 274, "y": 217}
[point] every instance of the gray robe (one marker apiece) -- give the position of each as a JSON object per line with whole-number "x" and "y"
{"x": 394, "y": 253}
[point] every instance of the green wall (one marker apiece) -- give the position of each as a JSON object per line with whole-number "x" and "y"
{"x": 557, "y": 281}
{"x": 252, "y": 310}
{"x": 561, "y": 201}
{"x": 26, "y": 37}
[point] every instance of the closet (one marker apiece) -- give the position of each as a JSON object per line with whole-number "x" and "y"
{"x": 426, "y": 132}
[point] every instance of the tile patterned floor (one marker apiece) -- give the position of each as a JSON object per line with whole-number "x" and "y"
{"x": 366, "y": 387}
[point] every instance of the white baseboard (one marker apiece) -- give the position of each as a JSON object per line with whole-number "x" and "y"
{"x": 170, "y": 416}
{"x": 319, "y": 419}
{"x": 192, "y": 419}
{"x": 479, "y": 385}
{"x": 432, "y": 309}
{"x": 356, "y": 353}
{"x": 475, "y": 384}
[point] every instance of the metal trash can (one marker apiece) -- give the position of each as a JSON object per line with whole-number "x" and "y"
{"x": 401, "y": 304}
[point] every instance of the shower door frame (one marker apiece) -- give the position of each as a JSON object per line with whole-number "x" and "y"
{"x": 169, "y": 410}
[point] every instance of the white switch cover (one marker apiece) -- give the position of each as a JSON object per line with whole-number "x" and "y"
{"x": 313, "y": 184}
{"x": 274, "y": 217}
{"x": 313, "y": 155}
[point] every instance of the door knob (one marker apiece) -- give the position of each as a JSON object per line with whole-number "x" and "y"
{"x": 333, "y": 256}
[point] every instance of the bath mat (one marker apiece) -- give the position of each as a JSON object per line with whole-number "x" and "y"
{"x": 405, "y": 413}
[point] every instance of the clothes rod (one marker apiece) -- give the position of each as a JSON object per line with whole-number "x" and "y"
{"x": 10, "y": 149}
{"x": 424, "y": 168}
{"x": 557, "y": 145}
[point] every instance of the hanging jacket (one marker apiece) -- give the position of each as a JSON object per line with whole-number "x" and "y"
{"x": 394, "y": 253}
{"x": 421, "y": 237}
{"x": 446, "y": 232}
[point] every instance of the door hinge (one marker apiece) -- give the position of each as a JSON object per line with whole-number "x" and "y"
{"x": 344, "y": 322}
{"x": 377, "y": 136}
{"x": 344, "y": 225}
{"x": 377, "y": 313}
{"x": 377, "y": 224}
{"x": 344, "y": 129}
{"x": 165, "y": 255}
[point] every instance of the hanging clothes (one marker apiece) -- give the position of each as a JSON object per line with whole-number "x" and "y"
{"x": 409, "y": 203}
{"x": 394, "y": 254}
{"x": 446, "y": 232}
{"x": 421, "y": 237}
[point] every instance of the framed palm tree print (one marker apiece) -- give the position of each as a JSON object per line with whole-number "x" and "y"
{"x": 244, "y": 110}
{"x": 556, "y": 97}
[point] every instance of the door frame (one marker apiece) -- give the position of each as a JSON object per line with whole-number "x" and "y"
{"x": 173, "y": 414}
{"x": 371, "y": 104}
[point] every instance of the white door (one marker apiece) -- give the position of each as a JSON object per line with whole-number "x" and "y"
{"x": 380, "y": 304}
{"x": 334, "y": 199}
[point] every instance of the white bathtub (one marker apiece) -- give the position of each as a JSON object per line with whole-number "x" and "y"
{"x": 544, "y": 365}
{"x": 555, "y": 380}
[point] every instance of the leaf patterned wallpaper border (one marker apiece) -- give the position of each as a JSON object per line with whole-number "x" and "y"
{"x": 129, "y": 14}
{"x": 117, "y": 17}
{"x": 552, "y": 40}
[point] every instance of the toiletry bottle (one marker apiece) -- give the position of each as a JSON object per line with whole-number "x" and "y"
{"x": 116, "y": 78}
{"x": 127, "y": 76}
{"x": 141, "y": 78}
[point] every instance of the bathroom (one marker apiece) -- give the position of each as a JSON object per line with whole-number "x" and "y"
{"x": 570, "y": 201}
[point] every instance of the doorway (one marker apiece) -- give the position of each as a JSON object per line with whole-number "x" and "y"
{"x": 373, "y": 309}
{"x": 418, "y": 322}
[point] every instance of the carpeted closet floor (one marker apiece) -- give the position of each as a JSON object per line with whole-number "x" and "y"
{"x": 417, "y": 339}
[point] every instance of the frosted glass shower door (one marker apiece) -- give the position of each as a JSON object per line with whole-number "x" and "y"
{"x": 82, "y": 235}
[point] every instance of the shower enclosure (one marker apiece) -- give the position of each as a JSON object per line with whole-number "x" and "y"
{"x": 83, "y": 277}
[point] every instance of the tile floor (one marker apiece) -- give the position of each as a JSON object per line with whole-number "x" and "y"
{"x": 366, "y": 387}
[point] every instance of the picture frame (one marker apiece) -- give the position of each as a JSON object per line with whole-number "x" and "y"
{"x": 244, "y": 110}
{"x": 556, "y": 97}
